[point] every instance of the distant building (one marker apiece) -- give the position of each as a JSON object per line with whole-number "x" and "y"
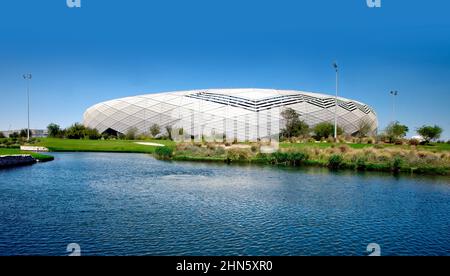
{"x": 39, "y": 133}
{"x": 235, "y": 114}
{"x": 418, "y": 138}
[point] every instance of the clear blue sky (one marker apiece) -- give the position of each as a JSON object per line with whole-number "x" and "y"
{"x": 116, "y": 48}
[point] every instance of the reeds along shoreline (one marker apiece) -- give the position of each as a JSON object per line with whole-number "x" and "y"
{"x": 391, "y": 159}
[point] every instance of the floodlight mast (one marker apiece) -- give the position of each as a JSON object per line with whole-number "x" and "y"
{"x": 394, "y": 94}
{"x": 336, "y": 67}
{"x": 27, "y": 78}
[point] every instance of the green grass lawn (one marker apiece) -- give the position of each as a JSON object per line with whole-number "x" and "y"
{"x": 38, "y": 156}
{"x": 55, "y": 144}
{"x": 436, "y": 147}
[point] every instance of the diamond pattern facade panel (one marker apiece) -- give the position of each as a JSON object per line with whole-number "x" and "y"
{"x": 230, "y": 114}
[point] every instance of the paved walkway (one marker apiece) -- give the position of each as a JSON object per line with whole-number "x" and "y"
{"x": 149, "y": 144}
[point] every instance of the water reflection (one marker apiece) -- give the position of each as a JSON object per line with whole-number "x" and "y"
{"x": 131, "y": 204}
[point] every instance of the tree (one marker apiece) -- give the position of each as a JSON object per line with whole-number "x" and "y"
{"x": 2, "y": 135}
{"x": 155, "y": 129}
{"x": 92, "y": 134}
{"x": 395, "y": 131}
{"x": 24, "y": 133}
{"x": 131, "y": 134}
{"x": 294, "y": 127}
{"x": 54, "y": 130}
{"x": 325, "y": 130}
{"x": 430, "y": 133}
{"x": 14, "y": 135}
{"x": 364, "y": 128}
{"x": 76, "y": 131}
{"x": 169, "y": 132}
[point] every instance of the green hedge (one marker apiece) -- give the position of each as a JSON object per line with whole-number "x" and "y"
{"x": 163, "y": 153}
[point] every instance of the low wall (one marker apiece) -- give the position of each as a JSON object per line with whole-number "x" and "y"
{"x": 33, "y": 148}
{"x": 16, "y": 160}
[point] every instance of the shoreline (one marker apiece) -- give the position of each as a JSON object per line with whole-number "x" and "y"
{"x": 392, "y": 159}
{"x": 380, "y": 168}
{"x": 370, "y": 167}
{"x": 16, "y": 160}
{"x": 14, "y": 157}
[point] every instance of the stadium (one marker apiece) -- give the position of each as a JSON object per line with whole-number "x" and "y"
{"x": 230, "y": 114}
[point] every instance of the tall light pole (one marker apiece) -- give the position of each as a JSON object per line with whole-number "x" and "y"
{"x": 335, "y": 65}
{"x": 28, "y": 78}
{"x": 394, "y": 93}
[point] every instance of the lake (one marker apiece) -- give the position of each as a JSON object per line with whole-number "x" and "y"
{"x": 132, "y": 204}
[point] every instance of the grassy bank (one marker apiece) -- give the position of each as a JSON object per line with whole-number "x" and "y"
{"x": 66, "y": 145}
{"x": 441, "y": 147}
{"x": 432, "y": 160}
{"x": 37, "y": 156}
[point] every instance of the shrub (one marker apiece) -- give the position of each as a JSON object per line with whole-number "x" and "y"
{"x": 237, "y": 154}
{"x": 211, "y": 146}
{"x": 155, "y": 129}
{"x": 265, "y": 158}
{"x": 344, "y": 148}
{"x": 131, "y": 134}
{"x": 219, "y": 151}
{"x": 298, "y": 158}
{"x": 76, "y": 131}
{"x": 24, "y": 133}
{"x": 289, "y": 158}
{"x": 92, "y": 134}
{"x": 383, "y": 157}
{"x": 341, "y": 139}
{"x": 361, "y": 163}
{"x": 413, "y": 142}
{"x": 330, "y": 139}
{"x": 163, "y": 153}
{"x": 14, "y": 135}
{"x": 280, "y": 157}
{"x": 324, "y": 130}
{"x": 254, "y": 148}
{"x": 335, "y": 161}
{"x": 142, "y": 137}
{"x": 2, "y": 135}
{"x": 395, "y": 131}
{"x": 396, "y": 164}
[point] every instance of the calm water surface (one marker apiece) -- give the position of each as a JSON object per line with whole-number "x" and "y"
{"x": 131, "y": 204}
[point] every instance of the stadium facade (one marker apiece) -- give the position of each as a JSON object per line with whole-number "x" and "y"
{"x": 233, "y": 114}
